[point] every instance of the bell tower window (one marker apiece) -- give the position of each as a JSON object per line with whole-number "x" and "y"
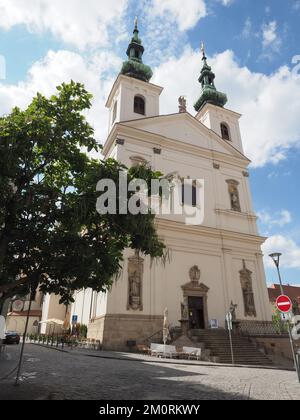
{"x": 139, "y": 105}
{"x": 115, "y": 112}
{"x": 225, "y": 132}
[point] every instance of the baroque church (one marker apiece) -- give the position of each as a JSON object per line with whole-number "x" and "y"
{"x": 212, "y": 266}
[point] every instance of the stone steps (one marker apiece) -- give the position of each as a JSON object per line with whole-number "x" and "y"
{"x": 217, "y": 341}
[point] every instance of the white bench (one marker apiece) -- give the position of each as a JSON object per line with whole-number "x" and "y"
{"x": 192, "y": 352}
{"x": 161, "y": 350}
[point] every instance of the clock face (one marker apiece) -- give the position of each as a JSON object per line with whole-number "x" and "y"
{"x": 18, "y": 306}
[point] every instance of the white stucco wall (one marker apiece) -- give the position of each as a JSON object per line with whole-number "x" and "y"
{"x": 193, "y": 148}
{"x": 123, "y": 93}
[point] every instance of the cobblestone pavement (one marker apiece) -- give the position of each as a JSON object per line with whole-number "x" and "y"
{"x": 50, "y": 374}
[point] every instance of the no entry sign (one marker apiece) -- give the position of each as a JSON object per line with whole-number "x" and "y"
{"x": 284, "y": 304}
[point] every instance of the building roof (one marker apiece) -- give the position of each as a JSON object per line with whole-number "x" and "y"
{"x": 293, "y": 292}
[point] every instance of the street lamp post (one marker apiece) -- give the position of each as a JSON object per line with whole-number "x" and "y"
{"x": 276, "y": 258}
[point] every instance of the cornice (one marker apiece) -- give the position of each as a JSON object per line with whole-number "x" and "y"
{"x": 214, "y": 233}
{"x": 249, "y": 216}
{"x": 135, "y": 136}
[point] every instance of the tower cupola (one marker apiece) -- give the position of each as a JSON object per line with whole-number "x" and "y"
{"x": 209, "y": 92}
{"x": 134, "y": 66}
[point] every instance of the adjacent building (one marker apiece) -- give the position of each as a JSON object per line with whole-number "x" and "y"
{"x": 293, "y": 292}
{"x": 18, "y": 312}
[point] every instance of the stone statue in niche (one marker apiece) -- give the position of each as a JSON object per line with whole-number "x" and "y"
{"x": 195, "y": 275}
{"x": 234, "y": 195}
{"x": 248, "y": 295}
{"x": 135, "y": 282}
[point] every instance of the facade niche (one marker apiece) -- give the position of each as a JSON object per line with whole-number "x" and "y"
{"x": 247, "y": 289}
{"x": 234, "y": 195}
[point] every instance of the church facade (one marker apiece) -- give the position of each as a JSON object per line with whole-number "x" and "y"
{"x": 211, "y": 266}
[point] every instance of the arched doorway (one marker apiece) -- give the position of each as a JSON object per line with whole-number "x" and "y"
{"x": 195, "y": 296}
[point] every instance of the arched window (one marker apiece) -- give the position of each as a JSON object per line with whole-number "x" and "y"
{"x": 225, "y": 131}
{"x": 139, "y": 105}
{"x": 189, "y": 194}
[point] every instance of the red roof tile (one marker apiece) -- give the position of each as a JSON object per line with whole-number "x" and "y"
{"x": 292, "y": 292}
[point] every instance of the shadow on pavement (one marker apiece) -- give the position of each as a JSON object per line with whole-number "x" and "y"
{"x": 57, "y": 376}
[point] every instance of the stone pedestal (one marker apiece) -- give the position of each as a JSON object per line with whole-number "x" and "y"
{"x": 236, "y": 327}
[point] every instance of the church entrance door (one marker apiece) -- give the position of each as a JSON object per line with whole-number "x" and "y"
{"x": 196, "y": 313}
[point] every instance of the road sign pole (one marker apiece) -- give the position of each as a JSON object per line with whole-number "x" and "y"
{"x": 296, "y": 360}
{"x": 229, "y": 324}
{"x": 18, "y": 377}
{"x": 231, "y": 346}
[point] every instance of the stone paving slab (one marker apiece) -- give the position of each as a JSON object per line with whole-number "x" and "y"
{"x": 146, "y": 358}
{"x": 55, "y": 375}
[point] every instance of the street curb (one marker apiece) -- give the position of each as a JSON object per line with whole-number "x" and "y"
{"x": 174, "y": 362}
{"x": 49, "y": 347}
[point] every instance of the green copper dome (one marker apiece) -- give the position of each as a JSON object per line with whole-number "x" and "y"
{"x": 209, "y": 92}
{"x": 134, "y": 66}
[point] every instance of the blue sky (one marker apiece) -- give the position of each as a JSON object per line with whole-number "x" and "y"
{"x": 250, "y": 44}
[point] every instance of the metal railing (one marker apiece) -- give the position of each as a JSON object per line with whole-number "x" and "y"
{"x": 154, "y": 338}
{"x": 62, "y": 342}
{"x": 262, "y": 328}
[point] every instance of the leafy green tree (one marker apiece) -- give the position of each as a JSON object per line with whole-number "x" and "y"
{"x": 50, "y": 232}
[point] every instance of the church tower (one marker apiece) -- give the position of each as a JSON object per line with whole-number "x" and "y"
{"x": 133, "y": 96}
{"x": 210, "y": 108}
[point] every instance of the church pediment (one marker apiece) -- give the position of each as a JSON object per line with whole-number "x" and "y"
{"x": 185, "y": 128}
{"x": 191, "y": 286}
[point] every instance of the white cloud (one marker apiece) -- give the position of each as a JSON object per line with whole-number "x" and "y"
{"x": 270, "y": 36}
{"x": 76, "y": 22}
{"x": 289, "y": 248}
{"x": 226, "y": 2}
{"x": 277, "y": 219}
{"x": 247, "y": 30}
{"x": 296, "y": 5}
{"x": 269, "y": 127}
{"x": 62, "y": 66}
{"x": 186, "y": 14}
